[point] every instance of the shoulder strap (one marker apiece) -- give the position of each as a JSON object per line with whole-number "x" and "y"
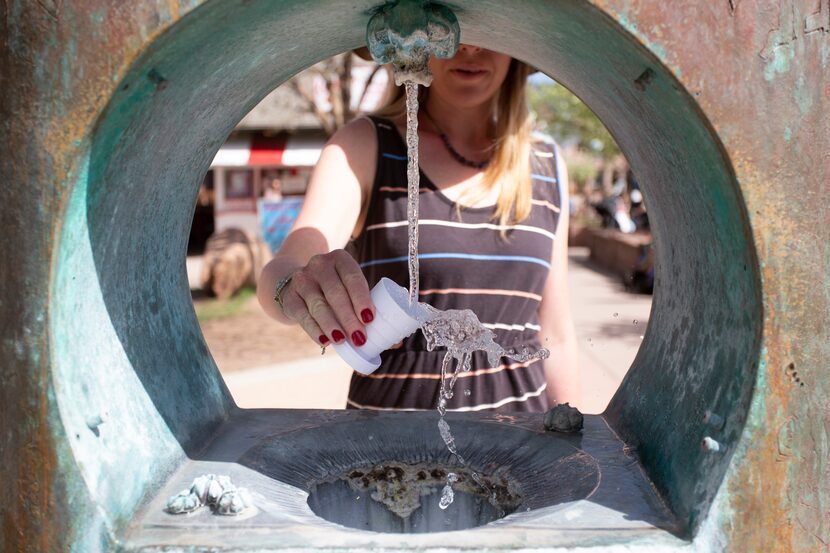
{"x": 389, "y": 139}
{"x": 544, "y": 167}
{"x": 556, "y": 174}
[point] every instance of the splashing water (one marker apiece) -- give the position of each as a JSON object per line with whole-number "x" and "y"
{"x": 459, "y": 331}
{"x": 462, "y": 333}
{"x": 444, "y": 430}
{"x": 447, "y": 495}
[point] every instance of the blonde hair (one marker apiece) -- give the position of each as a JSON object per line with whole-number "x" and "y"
{"x": 509, "y": 167}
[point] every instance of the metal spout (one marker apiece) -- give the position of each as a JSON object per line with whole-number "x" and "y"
{"x": 406, "y": 32}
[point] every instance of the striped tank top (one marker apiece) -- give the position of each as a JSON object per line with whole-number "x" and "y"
{"x": 465, "y": 263}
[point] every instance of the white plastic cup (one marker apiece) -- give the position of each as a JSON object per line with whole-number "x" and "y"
{"x": 394, "y": 320}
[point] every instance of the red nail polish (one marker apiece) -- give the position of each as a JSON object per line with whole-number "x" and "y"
{"x": 323, "y": 339}
{"x": 367, "y": 316}
{"x": 337, "y": 336}
{"x": 358, "y": 338}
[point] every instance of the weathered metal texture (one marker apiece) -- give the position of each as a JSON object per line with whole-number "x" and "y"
{"x": 58, "y": 65}
{"x": 717, "y": 104}
{"x": 758, "y": 70}
{"x": 700, "y": 352}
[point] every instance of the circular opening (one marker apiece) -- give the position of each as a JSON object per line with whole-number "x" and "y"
{"x": 120, "y": 310}
{"x": 412, "y": 499}
{"x": 269, "y": 365}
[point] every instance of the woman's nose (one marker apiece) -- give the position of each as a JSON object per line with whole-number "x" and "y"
{"x": 469, "y": 48}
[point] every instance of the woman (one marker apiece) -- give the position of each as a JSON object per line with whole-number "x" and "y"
{"x": 493, "y": 238}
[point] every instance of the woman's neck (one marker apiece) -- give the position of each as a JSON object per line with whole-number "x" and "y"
{"x": 471, "y": 126}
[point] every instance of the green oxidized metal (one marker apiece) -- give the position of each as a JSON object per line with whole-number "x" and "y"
{"x": 406, "y": 33}
{"x": 111, "y": 115}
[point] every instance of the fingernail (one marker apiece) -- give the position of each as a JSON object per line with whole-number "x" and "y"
{"x": 323, "y": 339}
{"x": 367, "y": 316}
{"x": 358, "y": 338}
{"x": 337, "y": 336}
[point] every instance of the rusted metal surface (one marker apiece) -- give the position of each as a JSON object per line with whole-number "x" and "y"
{"x": 93, "y": 89}
{"x": 759, "y": 70}
{"x": 59, "y": 63}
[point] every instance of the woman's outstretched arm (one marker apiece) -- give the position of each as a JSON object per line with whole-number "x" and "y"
{"x": 328, "y": 291}
{"x": 558, "y": 334}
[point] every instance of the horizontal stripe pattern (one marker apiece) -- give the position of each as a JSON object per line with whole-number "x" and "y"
{"x": 459, "y": 255}
{"x": 481, "y": 291}
{"x": 503, "y": 326}
{"x": 460, "y": 225}
{"x": 468, "y": 261}
{"x": 543, "y": 178}
{"x": 393, "y": 156}
{"x": 546, "y": 204}
{"x": 401, "y": 189}
{"x": 470, "y": 408}
{"x": 437, "y": 376}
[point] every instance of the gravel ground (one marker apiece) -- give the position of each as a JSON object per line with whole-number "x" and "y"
{"x": 251, "y": 339}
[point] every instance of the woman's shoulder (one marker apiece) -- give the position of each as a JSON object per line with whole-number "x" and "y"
{"x": 353, "y": 148}
{"x": 543, "y": 145}
{"x": 547, "y": 170}
{"x": 356, "y": 133}
{"x": 358, "y": 141}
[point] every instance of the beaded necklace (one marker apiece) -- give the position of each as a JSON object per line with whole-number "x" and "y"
{"x": 453, "y": 152}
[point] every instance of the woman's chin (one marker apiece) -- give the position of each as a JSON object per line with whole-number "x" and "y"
{"x": 469, "y": 97}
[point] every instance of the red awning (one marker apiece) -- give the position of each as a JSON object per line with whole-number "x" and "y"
{"x": 267, "y": 150}
{"x": 280, "y": 151}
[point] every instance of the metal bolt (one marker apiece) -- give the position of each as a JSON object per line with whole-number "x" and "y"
{"x": 94, "y": 421}
{"x": 710, "y": 445}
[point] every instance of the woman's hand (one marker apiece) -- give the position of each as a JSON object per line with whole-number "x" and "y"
{"x": 330, "y": 299}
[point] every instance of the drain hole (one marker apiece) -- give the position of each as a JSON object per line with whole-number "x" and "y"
{"x": 399, "y": 498}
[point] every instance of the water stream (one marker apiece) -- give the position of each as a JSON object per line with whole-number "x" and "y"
{"x": 413, "y": 179}
{"x": 459, "y": 331}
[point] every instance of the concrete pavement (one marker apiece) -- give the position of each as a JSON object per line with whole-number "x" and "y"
{"x": 609, "y": 324}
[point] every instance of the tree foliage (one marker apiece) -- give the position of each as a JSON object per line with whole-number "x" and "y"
{"x": 567, "y": 119}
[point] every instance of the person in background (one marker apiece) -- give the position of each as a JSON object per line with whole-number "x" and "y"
{"x": 638, "y": 207}
{"x": 272, "y": 188}
{"x": 493, "y": 238}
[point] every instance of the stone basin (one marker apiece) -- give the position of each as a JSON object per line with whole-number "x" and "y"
{"x": 540, "y": 469}
{"x": 555, "y": 489}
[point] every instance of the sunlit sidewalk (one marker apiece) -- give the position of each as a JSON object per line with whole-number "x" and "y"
{"x": 609, "y": 324}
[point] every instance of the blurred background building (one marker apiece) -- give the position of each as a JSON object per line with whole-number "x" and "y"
{"x": 257, "y": 179}
{"x": 255, "y": 187}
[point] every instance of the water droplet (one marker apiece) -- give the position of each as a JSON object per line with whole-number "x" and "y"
{"x": 616, "y": 315}
{"x": 641, "y": 337}
{"x": 447, "y": 496}
{"x": 468, "y": 393}
{"x": 589, "y": 339}
{"x": 636, "y": 322}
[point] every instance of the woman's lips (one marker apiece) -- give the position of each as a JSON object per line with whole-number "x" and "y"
{"x": 469, "y": 72}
